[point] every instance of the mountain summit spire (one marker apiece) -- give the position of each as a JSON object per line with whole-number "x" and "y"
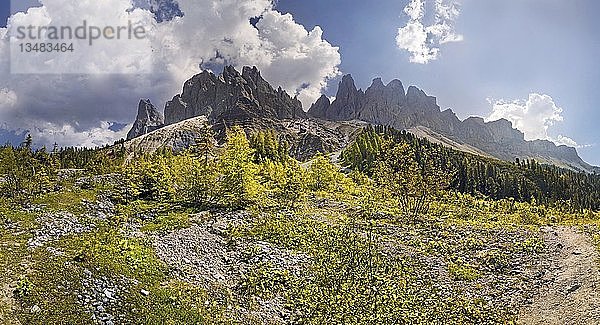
{"x": 148, "y": 119}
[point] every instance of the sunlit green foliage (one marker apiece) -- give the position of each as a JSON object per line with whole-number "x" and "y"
{"x": 238, "y": 179}
{"x": 344, "y": 223}
{"x": 524, "y": 180}
{"x": 267, "y": 147}
{"x": 24, "y": 173}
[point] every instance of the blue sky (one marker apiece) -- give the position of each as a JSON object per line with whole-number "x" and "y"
{"x": 511, "y": 49}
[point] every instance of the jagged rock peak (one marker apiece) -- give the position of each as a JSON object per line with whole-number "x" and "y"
{"x": 148, "y": 119}
{"x": 232, "y": 97}
{"x": 475, "y": 120}
{"x": 347, "y": 101}
{"x": 415, "y": 94}
{"x": 230, "y": 73}
{"x": 396, "y": 84}
{"x": 346, "y": 86}
{"x": 377, "y": 83}
{"x": 251, "y": 73}
{"x": 378, "y": 103}
{"x": 418, "y": 99}
{"x": 324, "y": 99}
{"x": 503, "y": 123}
{"x": 347, "y": 89}
{"x": 448, "y": 112}
{"x": 390, "y": 105}
{"x": 320, "y": 107}
{"x": 345, "y": 105}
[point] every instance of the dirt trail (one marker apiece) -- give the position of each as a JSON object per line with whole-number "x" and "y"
{"x": 572, "y": 293}
{"x": 7, "y": 306}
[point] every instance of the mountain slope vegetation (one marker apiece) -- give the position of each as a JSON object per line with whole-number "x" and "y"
{"x": 524, "y": 180}
{"x": 402, "y": 231}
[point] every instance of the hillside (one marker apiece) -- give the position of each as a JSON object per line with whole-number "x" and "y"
{"x": 275, "y": 217}
{"x": 242, "y": 233}
{"x": 523, "y": 180}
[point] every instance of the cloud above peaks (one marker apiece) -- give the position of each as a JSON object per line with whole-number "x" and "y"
{"x": 423, "y": 40}
{"x": 69, "y": 136}
{"x": 287, "y": 54}
{"x": 563, "y": 140}
{"x": 59, "y": 107}
{"x": 534, "y": 117}
{"x": 8, "y": 99}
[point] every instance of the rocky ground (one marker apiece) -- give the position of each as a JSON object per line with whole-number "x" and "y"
{"x": 203, "y": 254}
{"x": 54, "y": 226}
{"x": 100, "y": 296}
{"x": 502, "y": 266}
{"x": 547, "y": 275}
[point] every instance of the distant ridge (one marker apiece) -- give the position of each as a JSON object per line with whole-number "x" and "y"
{"x": 417, "y": 112}
{"x": 246, "y": 98}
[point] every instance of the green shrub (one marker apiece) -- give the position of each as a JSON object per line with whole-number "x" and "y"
{"x": 24, "y": 288}
{"x": 463, "y": 272}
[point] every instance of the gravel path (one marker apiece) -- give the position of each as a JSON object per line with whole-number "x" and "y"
{"x": 572, "y": 293}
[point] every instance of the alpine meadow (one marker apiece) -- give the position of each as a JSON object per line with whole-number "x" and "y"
{"x": 273, "y": 189}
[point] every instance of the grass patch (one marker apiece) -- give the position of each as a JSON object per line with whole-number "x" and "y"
{"x": 177, "y": 303}
{"x": 52, "y": 285}
{"x": 463, "y": 272}
{"x": 265, "y": 281}
{"x": 112, "y": 252}
{"x": 66, "y": 200}
{"x": 168, "y": 222}
{"x": 532, "y": 245}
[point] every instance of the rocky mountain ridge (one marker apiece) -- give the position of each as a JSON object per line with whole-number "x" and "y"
{"x": 305, "y": 137}
{"x": 247, "y": 99}
{"x": 231, "y": 96}
{"x": 389, "y": 105}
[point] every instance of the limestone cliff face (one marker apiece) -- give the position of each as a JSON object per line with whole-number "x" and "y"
{"x": 415, "y": 110}
{"x": 176, "y": 137}
{"x": 148, "y": 119}
{"x": 321, "y": 107}
{"x": 246, "y": 99}
{"x": 382, "y": 102}
{"x": 476, "y": 130}
{"x": 345, "y": 106}
{"x": 231, "y": 96}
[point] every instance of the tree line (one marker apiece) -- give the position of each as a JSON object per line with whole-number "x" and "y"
{"x": 524, "y": 180}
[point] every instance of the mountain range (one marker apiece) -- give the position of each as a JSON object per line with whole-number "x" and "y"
{"x": 247, "y": 99}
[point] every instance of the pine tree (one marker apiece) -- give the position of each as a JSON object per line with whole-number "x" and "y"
{"x": 28, "y": 142}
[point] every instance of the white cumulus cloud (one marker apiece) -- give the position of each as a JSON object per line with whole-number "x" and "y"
{"x": 534, "y": 117}
{"x": 211, "y": 33}
{"x": 564, "y": 140}
{"x": 8, "y": 99}
{"x": 69, "y": 136}
{"x": 423, "y": 40}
